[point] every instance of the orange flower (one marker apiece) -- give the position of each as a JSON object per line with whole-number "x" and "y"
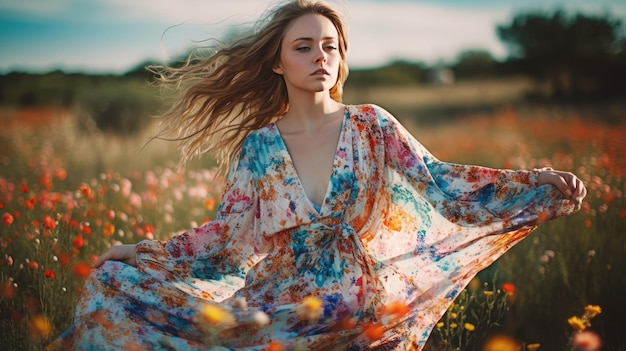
{"x": 33, "y": 264}
{"x": 7, "y": 219}
{"x": 375, "y": 331}
{"x": 82, "y": 269}
{"x": 108, "y": 229}
{"x": 209, "y": 204}
{"x": 275, "y": 346}
{"x": 396, "y": 308}
{"x": 49, "y": 223}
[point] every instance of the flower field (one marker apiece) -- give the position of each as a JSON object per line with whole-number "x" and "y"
{"x": 67, "y": 195}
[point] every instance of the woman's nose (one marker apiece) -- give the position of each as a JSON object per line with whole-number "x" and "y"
{"x": 320, "y": 56}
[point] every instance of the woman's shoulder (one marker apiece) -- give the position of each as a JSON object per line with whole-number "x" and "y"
{"x": 366, "y": 112}
{"x": 264, "y": 135}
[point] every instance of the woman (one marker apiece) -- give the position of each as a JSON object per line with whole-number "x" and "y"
{"x": 331, "y": 214}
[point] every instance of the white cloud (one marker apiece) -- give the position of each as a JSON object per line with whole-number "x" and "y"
{"x": 417, "y": 31}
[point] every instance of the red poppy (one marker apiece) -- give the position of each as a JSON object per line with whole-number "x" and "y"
{"x": 509, "y": 288}
{"x": 49, "y": 223}
{"x": 82, "y": 269}
{"x": 148, "y": 228}
{"x": 511, "y": 291}
{"x": 49, "y": 273}
{"x": 24, "y": 188}
{"x": 33, "y": 264}
{"x": 30, "y": 203}
{"x": 61, "y": 174}
{"x": 64, "y": 259}
{"x": 8, "y": 290}
{"x": 110, "y": 214}
{"x": 78, "y": 242}
{"x": 46, "y": 181}
{"x": 7, "y": 219}
{"x": 86, "y": 191}
{"x": 86, "y": 229}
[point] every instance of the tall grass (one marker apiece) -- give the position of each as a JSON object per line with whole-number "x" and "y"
{"x": 67, "y": 194}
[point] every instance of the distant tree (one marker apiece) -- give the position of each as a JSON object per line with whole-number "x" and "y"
{"x": 576, "y": 54}
{"x": 474, "y": 64}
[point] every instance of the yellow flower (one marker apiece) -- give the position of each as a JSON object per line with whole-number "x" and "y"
{"x": 453, "y": 315}
{"x": 40, "y": 326}
{"x": 474, "y": 284}
{"x": 488, "y": 293}
{"x": 214, "y": 314}
{"x": 533, "y": 347}
{"x": 310, "y": 308}
{"x": 592, "y": 310}
{"x": 469, "y": 326}
{"x": 439, "y": 325}
{"x": 453, "y": 325}
{"x": 577, "y": 323}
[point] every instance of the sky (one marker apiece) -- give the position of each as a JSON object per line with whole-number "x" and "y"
{"x": 113, "y": 36}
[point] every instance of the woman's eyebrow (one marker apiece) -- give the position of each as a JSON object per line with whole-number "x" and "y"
{"x": 311, "y": 39}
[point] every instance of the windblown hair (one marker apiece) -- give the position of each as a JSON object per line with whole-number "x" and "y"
{"x": 235, "y": 91}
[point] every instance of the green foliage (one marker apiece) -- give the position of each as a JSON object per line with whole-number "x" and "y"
{"x": 475, "y": 64}
{"x": 398, "y": 73}
{"x": 109, "y": 103}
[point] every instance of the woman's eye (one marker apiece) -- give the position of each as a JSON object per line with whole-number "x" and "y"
{"x": 331, "y": 47}
{"x": 303, "y": 48}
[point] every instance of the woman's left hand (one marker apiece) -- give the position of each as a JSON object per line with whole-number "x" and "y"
{"x": 572, "y": 187}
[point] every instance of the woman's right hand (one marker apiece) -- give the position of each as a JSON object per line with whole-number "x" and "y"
{"x": 122, "y": 253}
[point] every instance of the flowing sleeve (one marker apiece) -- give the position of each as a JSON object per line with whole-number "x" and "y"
{"x": 221, "y": 250}
{"x": 441, "y": 223}
{"x": 470, "y": 195}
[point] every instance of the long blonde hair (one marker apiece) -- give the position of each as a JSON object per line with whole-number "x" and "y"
{"x": 235, "y": 91}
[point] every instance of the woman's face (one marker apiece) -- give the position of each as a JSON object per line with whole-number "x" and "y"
{"x": 309, "y": 59}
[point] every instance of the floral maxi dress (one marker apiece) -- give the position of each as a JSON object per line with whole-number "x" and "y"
{"x": 397, "y": 226}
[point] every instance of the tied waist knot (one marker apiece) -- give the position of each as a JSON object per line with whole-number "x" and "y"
{"x": 316, "y": 234}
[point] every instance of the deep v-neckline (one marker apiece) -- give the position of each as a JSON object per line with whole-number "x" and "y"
{"x": 317, "y": 208}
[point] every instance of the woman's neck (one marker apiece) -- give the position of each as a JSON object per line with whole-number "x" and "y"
{"x": 307, "y": 114}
